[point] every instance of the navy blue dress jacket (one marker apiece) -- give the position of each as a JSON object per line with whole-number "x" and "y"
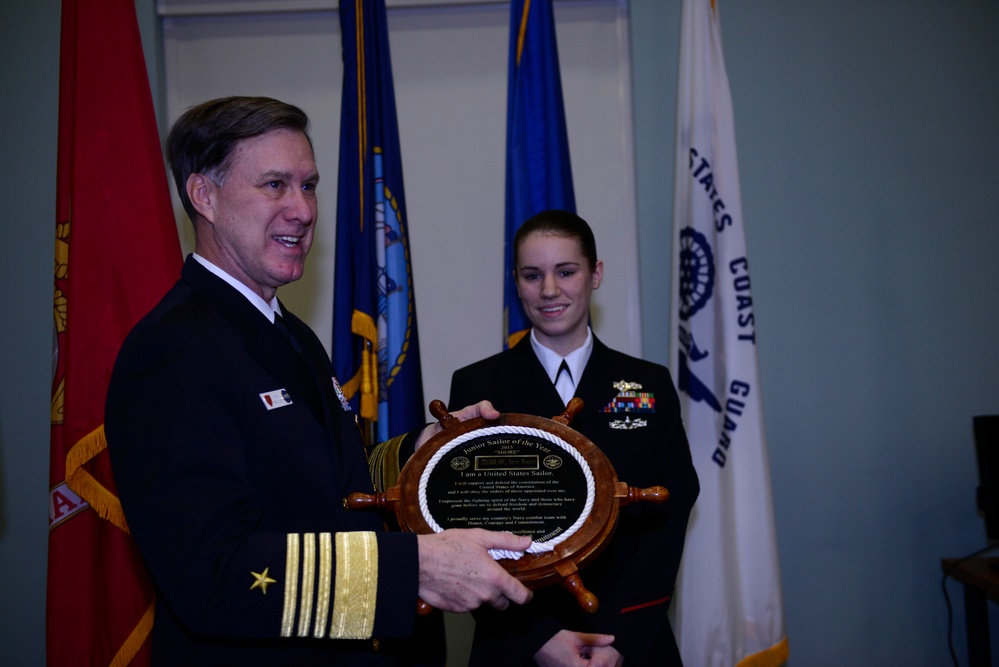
{"x": 634, "y": 576}
{"x": 232, "y": 454}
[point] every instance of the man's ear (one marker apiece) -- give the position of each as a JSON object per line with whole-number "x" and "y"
{"x": 202, "y": 193}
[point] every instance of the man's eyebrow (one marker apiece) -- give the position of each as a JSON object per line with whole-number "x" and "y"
{"x": 287, "y": 175}
{"x": 276, "y": 173}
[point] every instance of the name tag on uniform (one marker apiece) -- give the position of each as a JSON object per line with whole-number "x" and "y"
{"x": 275, "y": 399}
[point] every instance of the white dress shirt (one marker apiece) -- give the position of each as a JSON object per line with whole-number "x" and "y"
{"x": 575, "y": 361}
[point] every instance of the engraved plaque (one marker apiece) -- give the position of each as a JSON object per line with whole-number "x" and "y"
{"x": 519, "y": 473}
{"x": 509, "y": 478}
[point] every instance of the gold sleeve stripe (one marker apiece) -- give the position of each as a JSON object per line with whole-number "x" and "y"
{"x": 291, "y": 585}
{"x": 353, "y": 586}
{"x": 383, "y": 464}
{"x": 308, "y": 582}
{"x": 356, "y": 588}
{"x": 325, "y": 578}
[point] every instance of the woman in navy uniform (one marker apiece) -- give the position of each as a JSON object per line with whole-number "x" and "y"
{"x": 632, "y": 413}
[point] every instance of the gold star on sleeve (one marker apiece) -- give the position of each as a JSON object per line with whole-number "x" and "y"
{"x": 262, "y": 580}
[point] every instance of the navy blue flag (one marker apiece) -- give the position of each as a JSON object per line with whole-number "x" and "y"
{"x": 538, "y": 174}
{"x": 376, "y": 352}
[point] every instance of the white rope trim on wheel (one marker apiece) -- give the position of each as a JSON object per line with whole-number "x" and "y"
{"x": 536, "y": 547}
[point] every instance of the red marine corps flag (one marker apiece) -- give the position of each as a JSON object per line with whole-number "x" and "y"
{"x": 117, "y": 253}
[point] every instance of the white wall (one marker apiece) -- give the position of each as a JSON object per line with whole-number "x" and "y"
{"x": 450, "y": 70}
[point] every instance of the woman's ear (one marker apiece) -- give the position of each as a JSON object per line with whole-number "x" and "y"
{"x": 598, "y": 274}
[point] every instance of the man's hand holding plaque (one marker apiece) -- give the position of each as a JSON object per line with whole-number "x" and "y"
{"x": 445, "y": 563}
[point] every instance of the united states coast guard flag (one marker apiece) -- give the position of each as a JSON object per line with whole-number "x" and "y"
{"x": 376, "y": 351}
{"x": 729, "y": 604}
{"x": 538, "y": 174}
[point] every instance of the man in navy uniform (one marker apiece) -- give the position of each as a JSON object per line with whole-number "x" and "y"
{"x": 233, "y": 448}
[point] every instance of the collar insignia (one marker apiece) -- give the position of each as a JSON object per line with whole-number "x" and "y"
{"x": 339, "y": 393}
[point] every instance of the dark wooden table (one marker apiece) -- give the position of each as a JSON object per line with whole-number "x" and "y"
{"x": 980, "y": 578}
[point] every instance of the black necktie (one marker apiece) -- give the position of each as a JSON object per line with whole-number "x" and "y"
{"x": 565, "y": 387}
{"x": 286, "y": 332}
{"x": 563, "y": 367}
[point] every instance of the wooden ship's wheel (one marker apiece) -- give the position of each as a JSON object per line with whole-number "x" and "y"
{"x": 521, "y": 473}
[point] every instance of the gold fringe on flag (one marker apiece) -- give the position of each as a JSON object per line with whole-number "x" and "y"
{"x": 85, "y": 485}
{"x": 130, "y": 647}
{"x": 774, "y": 656}
{"x": 366, "y": 378}
{"x": 108, "y": 507}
